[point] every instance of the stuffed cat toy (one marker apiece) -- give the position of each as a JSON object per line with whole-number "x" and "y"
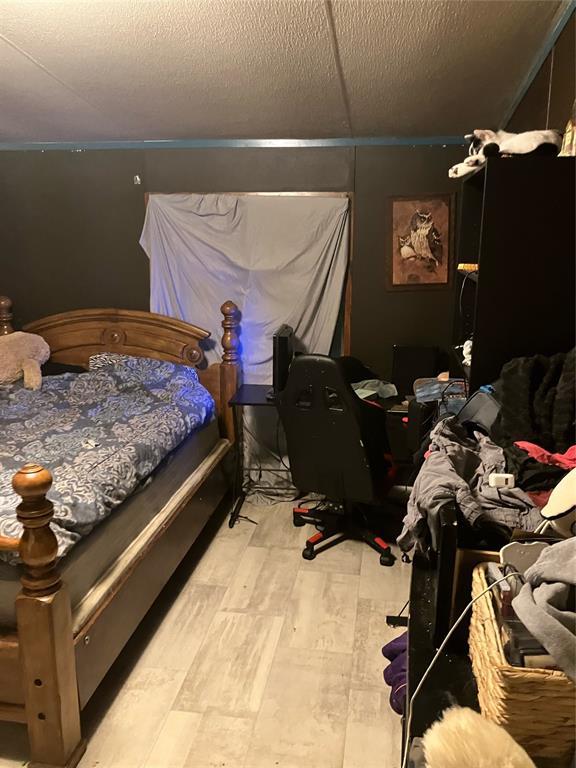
{"x": 486, "y": 143}
{"x": 22, "y": 354}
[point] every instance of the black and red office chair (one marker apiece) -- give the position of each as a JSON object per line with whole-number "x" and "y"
{"x": 338, "y": 448}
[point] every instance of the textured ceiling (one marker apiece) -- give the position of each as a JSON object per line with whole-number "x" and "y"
{"x": 179, "y": 69}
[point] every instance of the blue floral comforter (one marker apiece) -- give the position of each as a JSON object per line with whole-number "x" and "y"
{"x": 100, "y": 433}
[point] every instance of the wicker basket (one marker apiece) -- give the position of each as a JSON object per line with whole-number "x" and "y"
{"x": 536, "y": 706}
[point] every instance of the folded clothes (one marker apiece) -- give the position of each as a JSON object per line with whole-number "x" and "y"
{"x": 546, "y": 603}
{"x": 566, "y": 460}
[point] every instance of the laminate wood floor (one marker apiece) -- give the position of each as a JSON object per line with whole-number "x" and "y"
{"x": 252, "y": 658}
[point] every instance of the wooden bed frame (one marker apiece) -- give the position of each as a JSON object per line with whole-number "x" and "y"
{"x": 48, "y": 670}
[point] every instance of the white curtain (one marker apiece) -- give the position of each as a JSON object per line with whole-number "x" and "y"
{"x": 282, "y": 259}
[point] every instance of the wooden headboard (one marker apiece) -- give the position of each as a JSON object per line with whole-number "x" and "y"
{"x": 74, "y": 336}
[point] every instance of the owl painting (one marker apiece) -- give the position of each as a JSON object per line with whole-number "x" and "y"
{"x": 425, "y": 238}
{"x": 421, "y": 236}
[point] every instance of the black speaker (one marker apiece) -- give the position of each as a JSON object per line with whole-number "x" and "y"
{"x": 283, "y": 352}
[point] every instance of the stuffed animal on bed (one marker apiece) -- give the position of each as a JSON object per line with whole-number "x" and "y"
{"x": 22, "y": 354}
{"x": 486, "y": 143}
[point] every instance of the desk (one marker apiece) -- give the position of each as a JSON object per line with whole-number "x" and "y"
{"x": 246, "y": 395}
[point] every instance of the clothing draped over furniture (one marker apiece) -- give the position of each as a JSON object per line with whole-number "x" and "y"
{"x": 531, "y": 437}
{"x": 566, "y": 460}
{"x": 457, "y": 469}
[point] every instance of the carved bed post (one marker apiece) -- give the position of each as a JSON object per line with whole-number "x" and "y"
{"x": 230, "y": 369}
{"x": 46, "y": 642}
{"x": 5, "y": 316}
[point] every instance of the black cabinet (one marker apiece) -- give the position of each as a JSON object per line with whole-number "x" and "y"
{"x": 517, "y": 222}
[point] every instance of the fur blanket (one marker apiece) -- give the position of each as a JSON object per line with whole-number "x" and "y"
{"x": 465, "y": 739}
{"x": 537, "y": 397}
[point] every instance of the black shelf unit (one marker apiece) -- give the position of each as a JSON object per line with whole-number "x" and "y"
{"x": 517, "y": 222}
{"x": 451, "y": 680}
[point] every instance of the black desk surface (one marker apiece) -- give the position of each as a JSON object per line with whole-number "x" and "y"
{"x": 451, "y": 680}
{"x": 252, "y": 394}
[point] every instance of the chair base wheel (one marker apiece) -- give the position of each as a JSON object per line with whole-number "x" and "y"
{"x": 308, "y": 554}
{"x": 298, "y": 522}
{"x": 387, "y": 559}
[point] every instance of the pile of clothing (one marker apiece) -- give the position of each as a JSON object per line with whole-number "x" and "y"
{"x": 533, "y": 439}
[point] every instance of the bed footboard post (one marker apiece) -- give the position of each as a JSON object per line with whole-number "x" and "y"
{"x": 230, "y": 369}
{"x": 45, "y": 635}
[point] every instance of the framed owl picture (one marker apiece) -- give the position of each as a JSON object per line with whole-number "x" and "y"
{"x": 421, "y": 241}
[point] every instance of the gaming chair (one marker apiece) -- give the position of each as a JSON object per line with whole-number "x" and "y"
{"x": 337, "y": 447}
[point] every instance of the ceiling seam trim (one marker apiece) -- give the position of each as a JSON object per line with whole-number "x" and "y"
{"x": 374, "y": 141}
{"x": 50, "y": 74}
{"x": 338, "y": 63}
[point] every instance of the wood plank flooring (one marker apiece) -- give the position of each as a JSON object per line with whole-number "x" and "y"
{"x": 255, "y": 658}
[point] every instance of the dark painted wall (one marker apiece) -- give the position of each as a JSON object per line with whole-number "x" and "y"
{"x": 70, "y": 224}
{"x": 556, "y": 78}
{"x": 381, "y": 317}
{"x": 70, "y": 221}
{"x": 69, "y": 227}
{"x": 250, "y": 170}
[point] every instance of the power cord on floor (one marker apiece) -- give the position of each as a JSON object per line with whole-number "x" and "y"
{"x": 403, "y": 607}
{"x": 437, "y": 655}
{"x": 278, "y": 449}
{"x": 262, "y": 445}
{"x": 248, "y": 519}
{"x": 250, "y": 483}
